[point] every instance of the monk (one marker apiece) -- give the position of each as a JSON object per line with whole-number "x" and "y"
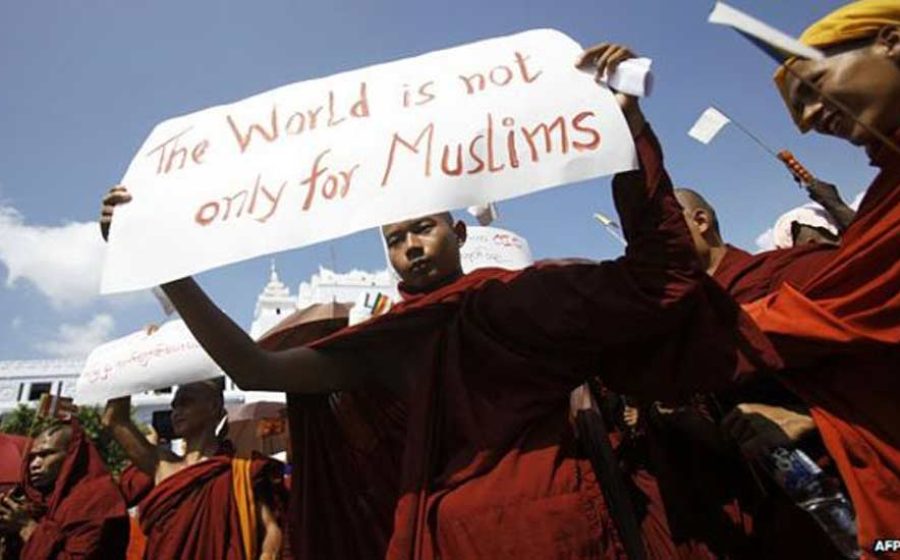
{"x": 206, "y": 503}
{"x": 70, "y": 507}
{"x": 759, "y": 413}
{"x": 839, "y": 332}
{"x": 484, "y": 365}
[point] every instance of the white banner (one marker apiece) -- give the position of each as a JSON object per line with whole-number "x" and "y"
{"x": 316, "y": 160}
{"x": 489, "y": 247}
{"x": 142, "y": 362}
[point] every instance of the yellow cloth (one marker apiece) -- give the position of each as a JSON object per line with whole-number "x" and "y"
{"x": 854, "y": 21}
{"x": 246, "y": 504}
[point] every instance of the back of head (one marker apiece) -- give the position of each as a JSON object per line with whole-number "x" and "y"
{"x": 706, "y": 224}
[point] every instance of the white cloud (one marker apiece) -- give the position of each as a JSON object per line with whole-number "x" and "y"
{"x": 77, "y": 341}
{"x": 765, "y": 241}
{"x": 62, "y": 262}
{"x": 17, "y": 322}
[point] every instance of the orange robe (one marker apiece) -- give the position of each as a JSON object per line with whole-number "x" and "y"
{"x": 490, "y": 468}
{"x": 85, "y": 513}
{"x": 192, "y": 514}
{"x": 839, "y": 336}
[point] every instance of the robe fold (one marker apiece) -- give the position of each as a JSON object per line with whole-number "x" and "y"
{"x": 192, "y": 514}
{"x": 135, "y": 484}
{"x": 749, "y": 277}
{"x": 85, "y": 513}
{"x": 839, "y": 336}
{"x": 713, "y": 501}
{"x": 490, "y": 467}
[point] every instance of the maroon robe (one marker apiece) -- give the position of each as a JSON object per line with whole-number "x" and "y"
{"x": 192, "y": 514}
{"x": 489, "y": 462}
{"x": 839, "y": 333}
{"x": 749, "y": 277}
{"x": 85, "y": 513}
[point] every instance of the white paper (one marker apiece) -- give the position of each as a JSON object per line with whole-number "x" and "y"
{"x": 632, "y": 77}
{"x": 499, "y": 105}
{"x": 142, "y": 362}
{"x": 724, "y": 14}
{"x": 708, "y": 125}
{"x": 488, "y": 247}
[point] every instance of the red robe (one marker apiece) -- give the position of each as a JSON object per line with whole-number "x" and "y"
{"x": 712, "y": 500}
{"x": 85, "y": 513}
{"x": 749, "y": 277}
{"x": 135, "y": 484}
{"x": 839, "y": 333}
{"x": 192, "y": 514}
{"x": 489, "y": 462}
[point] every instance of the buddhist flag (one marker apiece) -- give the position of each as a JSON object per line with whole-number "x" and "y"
{"x": 708, "y": 125}
{"x": 773, "y": 42}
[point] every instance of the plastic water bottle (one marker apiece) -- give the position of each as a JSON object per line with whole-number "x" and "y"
{"x": 804, "y": 482}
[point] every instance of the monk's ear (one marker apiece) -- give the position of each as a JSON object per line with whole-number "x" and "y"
{"x": 459, "y": 228}
{"x": 701, "y": 219}
{"x": 888, "y": 38}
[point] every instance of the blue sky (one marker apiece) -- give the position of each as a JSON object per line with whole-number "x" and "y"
{"x": 84, "y": 82}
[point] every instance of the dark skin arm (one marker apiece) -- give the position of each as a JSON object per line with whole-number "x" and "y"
{"x": 297, "y": 370}
{"x": 828, "y": 196}
{"x": 147, "y": 457}
{"x": 15, "y": 518}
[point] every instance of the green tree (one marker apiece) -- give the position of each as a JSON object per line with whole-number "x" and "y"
{"x": 21, "y": 421}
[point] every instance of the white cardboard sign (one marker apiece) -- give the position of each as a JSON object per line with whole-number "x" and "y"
{"x": 489, "y": 247}
{"x": 320, "y": 159}
{"x": 142, "y": 362}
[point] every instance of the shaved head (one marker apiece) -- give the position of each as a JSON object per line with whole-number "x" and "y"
{"x": 425, "y": 251}
{"x": 47, "y": 454}
{"x": 703, "y": 224}
{"x": 691, "y": 200}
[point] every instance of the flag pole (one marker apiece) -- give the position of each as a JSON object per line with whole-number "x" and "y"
{"x": 797, "y": 169}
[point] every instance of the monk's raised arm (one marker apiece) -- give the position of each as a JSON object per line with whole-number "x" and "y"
{"x": 296, "y": 370}
{"x": 117, "y": 421}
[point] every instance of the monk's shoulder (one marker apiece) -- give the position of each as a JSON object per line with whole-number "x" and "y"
{"x": 97, "y": 498}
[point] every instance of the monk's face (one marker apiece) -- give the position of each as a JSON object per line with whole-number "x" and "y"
{"x": 196, "y": 408}
{"x": 46, "y": 458}
{"x": 865, "y": 78}
{"x": 425, "y": 251}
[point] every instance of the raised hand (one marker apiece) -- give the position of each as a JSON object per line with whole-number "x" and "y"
{"x": 602, "y": 60}
{"x": 116, "y": 196}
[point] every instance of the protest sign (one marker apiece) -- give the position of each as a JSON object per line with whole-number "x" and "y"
{"x": 489, "y": 247}
{"x": 142, "y": 362}
{"x": 319, "y": 159}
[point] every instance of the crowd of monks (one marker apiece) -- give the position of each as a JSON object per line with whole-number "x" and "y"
{"x": 570, "y": 410}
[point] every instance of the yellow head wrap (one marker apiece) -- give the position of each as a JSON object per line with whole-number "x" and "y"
{"x": 857, "y": 20}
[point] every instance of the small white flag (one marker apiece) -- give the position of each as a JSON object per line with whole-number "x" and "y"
{"x": 708, "y": 125}
{"x": 485, "y": 214}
